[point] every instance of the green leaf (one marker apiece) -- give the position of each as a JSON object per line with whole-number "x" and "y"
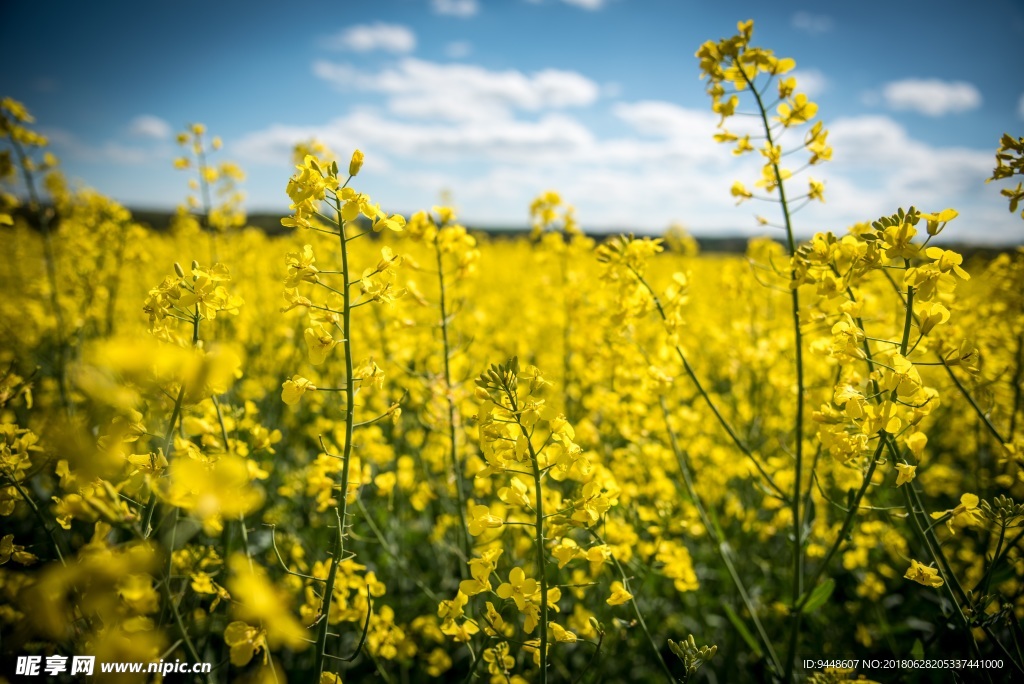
{"x": 819, "y": 596}
{"x": 917, "y": 651}
{"x": 742, "y": 629}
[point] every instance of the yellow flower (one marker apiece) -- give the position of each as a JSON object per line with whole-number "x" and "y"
{"x": 460, "y": 633}
{"x": 932, "y": 314}
{"x": 905, "y": 473}
{"x": 769, "y": 181}
{"x": 518, "y": 588}
{"x": 261, "y": 601}
{"x": 245, "y": 641}
{"x": 482, "y": 519}
{"x": 212, "y": 491}
{"x": 292, "y": 390}
{"x": 922, "y": 574}
{"x": 816, "y": 191}
{"x": 566, "y": 551}
{"x": 619, "y": 595}
{"x": 966, "y": 513}
{"x": 11, "y": 551}
{"x": 739, "y": 190}
{"x": 394, "y": 222}
{"x": 516, "y": 494}
{"x": 301, "y": 268}
{"x": 936, "y": 222}
{"x": 561, "y": 633}
{"x": 452, "y": 610}
{"x": 319, "y": 341}
{"x": 948, "y": 260}
{"x": 797, "y": 111}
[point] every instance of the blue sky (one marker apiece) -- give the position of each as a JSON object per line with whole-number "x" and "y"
{"x": 498, "y": 100}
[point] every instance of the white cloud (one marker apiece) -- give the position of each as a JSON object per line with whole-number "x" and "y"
{"x": 611, "y": 89}
{"x": 1020, "y": 106}
{"x": 586, "y": 4}
{"x": 673, "y": 171}
{"x": 878, "y": 167}
{"x": 458, "y": 49}
{"x": 931, "y": 97}
{"x": 371, "y": 37}
{"x": 475, "y": 140}
{"x": 815, "y": 24}
{"x": 421, "y": 89}
{"x": 149, "y": 126}
{"x": 456, "y": 8}
{"x": 812, "y": 82}
{"x": 66, "y": 144}
{"x": 667, "y": 120}
{"x": 661, "y": 166}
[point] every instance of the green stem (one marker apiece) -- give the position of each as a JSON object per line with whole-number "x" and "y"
{"x": 999, "y": 557}
{"x": 50, "y": 531}
{"x": 169, "y": 598}
{"x": 798, "y": 567}
{"x": 721, "y": 546}
{"x": 956, "y": 381}
{"x": 927, "y": 537}
{"x": 51, "y": 272}
{"x": 995, "y": 555}
{"x": 323, "y": 627}
{"x": 205, "y": 190}
{"x": 450, "y": 399}
{"x": 411, "y": 573}
{"x": 636, "y": 610}
{"x": 346, "y": 458}
{"x": 847, "y": 523}
{"x": 541, "y": 565}
{"x": 707, "y": 398}
{"x": 147, "y": 528}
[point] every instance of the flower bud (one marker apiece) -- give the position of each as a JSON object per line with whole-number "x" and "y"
{"x": 356, "y": 163}
{"x": 179, "y": 270}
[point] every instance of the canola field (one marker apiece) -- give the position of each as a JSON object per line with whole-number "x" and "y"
{"x": 388, "y": 448}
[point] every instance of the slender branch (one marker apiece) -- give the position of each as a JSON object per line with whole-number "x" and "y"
{"x": 707, "y": 398}
{"x": 721, "y": 545}
{"x": 798, "y": 429}
{"x": 51, "y": 271}
{"x": 450, "y": 400}
{"x": 541, "y": 564}
{"x": 636, "y": 611}
{"x": 952, "y": 376}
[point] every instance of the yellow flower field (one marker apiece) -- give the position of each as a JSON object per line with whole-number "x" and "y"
{"x": 389, "y": 448}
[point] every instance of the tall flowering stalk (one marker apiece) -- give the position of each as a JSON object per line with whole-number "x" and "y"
{"x": 14, "y": 118}
{"x": 556, "y": 232}
{"x": 524, "y": 439}
{"x": 734, "y": 67}
{"x": 455, "y": 259}
{"x": 220, "y": 180}
{"x": 315, "y": 184}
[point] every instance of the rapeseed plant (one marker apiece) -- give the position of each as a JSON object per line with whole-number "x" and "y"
{"x": 815, "y": 448}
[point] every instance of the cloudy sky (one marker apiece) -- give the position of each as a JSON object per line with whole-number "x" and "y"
{"x": 498, "y": 100}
